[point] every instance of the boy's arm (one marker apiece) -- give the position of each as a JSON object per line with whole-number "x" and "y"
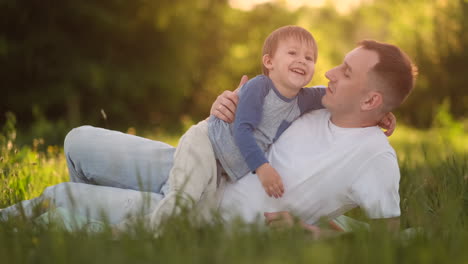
{"x": 311, "y": 98}
{"x": 224, "y": 108}
{"x": 248, "y": 116}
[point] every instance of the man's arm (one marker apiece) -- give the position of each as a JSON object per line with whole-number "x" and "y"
{"x": 376, "y": 190}
{"x": 284, "y": 219}
{"x": 225, "y": 105}
{"x": 392, "y": 224}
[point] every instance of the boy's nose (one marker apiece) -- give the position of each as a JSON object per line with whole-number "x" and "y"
{"x": 301, "y": 60}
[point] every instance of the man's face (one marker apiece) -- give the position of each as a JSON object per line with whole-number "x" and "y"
{"x": 349, "y": 82}
{"x": 292, "y": 66}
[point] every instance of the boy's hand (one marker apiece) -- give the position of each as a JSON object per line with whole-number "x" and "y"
{"x": 271, "y": 180}
{"x": 388, "y": 123}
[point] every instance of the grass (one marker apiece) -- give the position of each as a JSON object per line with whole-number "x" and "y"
{"x": 434, "y": 199}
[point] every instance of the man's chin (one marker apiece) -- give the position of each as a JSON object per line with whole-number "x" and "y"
{"x": 325, "y": 101}
{"x": 326, "y": 104}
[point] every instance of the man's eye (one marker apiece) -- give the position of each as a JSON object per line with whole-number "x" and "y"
{"x": 345, "y": 72}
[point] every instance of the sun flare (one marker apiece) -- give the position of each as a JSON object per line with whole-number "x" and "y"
{"x": 343, "y": 6}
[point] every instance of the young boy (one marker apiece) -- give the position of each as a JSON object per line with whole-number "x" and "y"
{"x": 268, "y": 104}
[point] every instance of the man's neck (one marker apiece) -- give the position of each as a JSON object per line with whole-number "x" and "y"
{"x": 352, "y": 121}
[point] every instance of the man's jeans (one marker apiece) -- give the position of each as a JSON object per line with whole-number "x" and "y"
{"x": 112, "y": 174}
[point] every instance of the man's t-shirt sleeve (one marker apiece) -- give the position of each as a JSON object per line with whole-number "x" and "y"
{"x": 376, "y": 190}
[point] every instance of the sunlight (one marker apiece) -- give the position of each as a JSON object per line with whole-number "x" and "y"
{"x": 342, "y": 6}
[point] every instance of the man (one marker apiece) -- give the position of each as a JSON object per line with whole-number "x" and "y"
{"x": 374, "y": 79}
{"x": 331, "y": 160}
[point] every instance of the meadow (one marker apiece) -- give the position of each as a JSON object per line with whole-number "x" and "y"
{"x": 434, "y": 204}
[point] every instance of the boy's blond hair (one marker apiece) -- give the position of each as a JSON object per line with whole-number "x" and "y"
{"x": 271, "y": 42}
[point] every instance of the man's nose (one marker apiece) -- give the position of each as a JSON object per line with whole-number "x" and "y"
{"x": 329, "y": 75}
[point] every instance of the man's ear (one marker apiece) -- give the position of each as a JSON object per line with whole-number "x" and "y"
{"x": 267, "y": 62}
{"x": 372, "y": 100}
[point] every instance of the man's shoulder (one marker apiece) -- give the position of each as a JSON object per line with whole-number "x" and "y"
{"x": 373, "y": 144}
{"x": 377, "y": 142}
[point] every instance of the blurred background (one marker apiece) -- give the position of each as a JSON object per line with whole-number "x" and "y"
{"x": 157, "y": 66}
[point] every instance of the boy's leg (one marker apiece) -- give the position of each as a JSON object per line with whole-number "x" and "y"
{"x": 111, "y": 158}
{"x": 89, "y": 201}
{"x": 194, "y": 164}
{"x": 193, "y": 173}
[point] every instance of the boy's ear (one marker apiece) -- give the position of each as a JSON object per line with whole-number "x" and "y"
{"x": 267, "y": 62}
{"x": 372, "y": 101}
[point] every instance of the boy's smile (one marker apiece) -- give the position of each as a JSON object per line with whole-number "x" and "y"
{"x": 292, "y": 66}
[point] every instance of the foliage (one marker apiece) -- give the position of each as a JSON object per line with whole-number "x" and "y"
{"x": 25, "y": 171}
{"x": 159, "y": 64}
{"x": 147, "y": 64}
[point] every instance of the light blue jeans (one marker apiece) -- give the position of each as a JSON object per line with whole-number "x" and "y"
{"x": 112, "y": 174}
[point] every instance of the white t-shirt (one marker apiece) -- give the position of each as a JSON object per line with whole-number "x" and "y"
{"x": 326, "y": 171}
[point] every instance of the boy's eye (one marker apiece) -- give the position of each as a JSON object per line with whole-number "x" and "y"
{"x": 309, "y": 58}
{"x": 291, "y": 52}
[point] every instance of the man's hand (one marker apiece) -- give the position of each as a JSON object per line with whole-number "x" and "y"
{"x": 388, "y": 123}
{"x": 271, "y": 180}
{"x": 392, "y": 224}
{"x": 225, "y": 105}
{"x": 281, "y": 219}
{"x": 284, "y": 219}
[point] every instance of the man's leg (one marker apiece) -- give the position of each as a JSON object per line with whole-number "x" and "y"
{"x": 87, "y": 201}
{"x": 110, "y": 158}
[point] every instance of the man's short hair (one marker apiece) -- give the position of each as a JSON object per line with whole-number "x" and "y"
{"x": 394, "y": 75}
{"x": 271, "y": 42}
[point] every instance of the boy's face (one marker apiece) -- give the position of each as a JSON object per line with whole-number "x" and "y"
{"x": 292, "y": 65}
